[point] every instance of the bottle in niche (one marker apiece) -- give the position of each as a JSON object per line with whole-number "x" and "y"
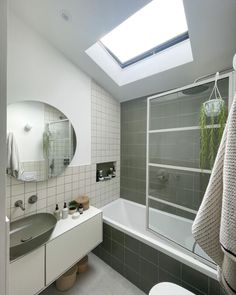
{"x": 114, "y": 171}
{"x": 57, "y": 213}
{"x": 110, "y": 173}
{"x": 101, "y": 178}
{"x": 97, "y": 176}
{"x": 65, "y": 211}
{"x": 81, "y": 209}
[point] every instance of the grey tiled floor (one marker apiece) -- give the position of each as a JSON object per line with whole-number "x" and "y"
{"x": 100, "y": 279}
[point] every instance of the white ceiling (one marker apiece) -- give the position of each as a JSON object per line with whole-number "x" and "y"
{"x": 212, "y": 26}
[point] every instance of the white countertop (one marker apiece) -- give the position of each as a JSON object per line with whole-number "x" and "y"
{"x": 64, "y": 225}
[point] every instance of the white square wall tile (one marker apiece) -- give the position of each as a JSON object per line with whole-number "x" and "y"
{"x": 17, "y": 189}
{"x": 30, "y": 187}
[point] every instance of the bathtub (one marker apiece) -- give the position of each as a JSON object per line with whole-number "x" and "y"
{"x": 130, "y": 218}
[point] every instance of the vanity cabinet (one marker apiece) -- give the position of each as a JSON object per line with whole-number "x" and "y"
{"x": 67, "y": 249}
{"x": 70, "y": 241}
{"x": 27, "y": 274}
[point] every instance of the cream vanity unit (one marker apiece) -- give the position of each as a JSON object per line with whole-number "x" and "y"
{"x": 70, "y": 240}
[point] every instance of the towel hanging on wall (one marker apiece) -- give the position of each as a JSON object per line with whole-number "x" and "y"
{"x": 14, "y": 167}
{"x": 214, "y": 227}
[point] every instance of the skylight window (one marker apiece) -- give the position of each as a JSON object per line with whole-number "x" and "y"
{"x": 157, "y": 26}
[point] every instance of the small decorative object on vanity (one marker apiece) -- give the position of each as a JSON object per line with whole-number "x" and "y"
{"x": 84, "y": 200}
{"x": 75, "y": 215}
{"x": 81, "y": 209}
{"x": 57, "y": 213}
{"x": 72, "y": 209}
{"x": 65, "y": 211}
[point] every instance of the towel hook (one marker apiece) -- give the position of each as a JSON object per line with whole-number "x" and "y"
{"x": 27, "y": 127}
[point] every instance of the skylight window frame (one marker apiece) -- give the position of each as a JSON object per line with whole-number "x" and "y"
{"x": 160, "y": 47}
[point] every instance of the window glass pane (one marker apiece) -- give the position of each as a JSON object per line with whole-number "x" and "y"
{"x": 156, "y": 23}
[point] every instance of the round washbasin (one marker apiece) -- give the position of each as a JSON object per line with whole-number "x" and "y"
{"x": 29, "y": 233}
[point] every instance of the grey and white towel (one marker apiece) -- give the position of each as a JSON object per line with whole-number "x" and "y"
{"x": 13, "y": 161}
{"x": 214, "y": 227}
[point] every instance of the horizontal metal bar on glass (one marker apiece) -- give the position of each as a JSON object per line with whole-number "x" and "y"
{"x": 182, "y": 129}
{"x": 199, "y": 170}
{"x": 172, "y": 204}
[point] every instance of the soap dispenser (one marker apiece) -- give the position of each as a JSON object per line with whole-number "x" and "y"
{"x": 65, "y": 211}
{"x": 57, "y": 213}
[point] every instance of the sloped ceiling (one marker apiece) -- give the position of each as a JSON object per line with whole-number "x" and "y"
{"x": 212, "y": 26}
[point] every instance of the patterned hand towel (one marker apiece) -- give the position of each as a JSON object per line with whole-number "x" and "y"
{"x": 214, "y": 227}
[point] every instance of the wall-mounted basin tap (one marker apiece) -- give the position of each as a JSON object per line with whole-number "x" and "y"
{"x": 19, "y": 204}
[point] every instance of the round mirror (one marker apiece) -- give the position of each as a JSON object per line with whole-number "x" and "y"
{"x": 41, "y": 141}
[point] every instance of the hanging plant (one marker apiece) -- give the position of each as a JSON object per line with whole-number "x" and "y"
{"x": 210, "y": 134}
{"x": 203, "y": 138}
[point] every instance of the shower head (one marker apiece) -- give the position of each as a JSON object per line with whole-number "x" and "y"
{"x": 195, "y": 90}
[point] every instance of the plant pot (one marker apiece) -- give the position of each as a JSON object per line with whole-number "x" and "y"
{"x": 72, "y": 209}
{"x": 213, "y": 107}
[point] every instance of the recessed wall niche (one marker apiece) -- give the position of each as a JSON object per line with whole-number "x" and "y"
{"x": 105, "y": 171}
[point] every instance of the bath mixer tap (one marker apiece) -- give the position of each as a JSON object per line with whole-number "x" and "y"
{"x": 19, "y": 204}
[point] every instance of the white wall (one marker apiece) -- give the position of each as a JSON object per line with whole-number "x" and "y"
{"x": 30, "y": 144}
{"x": 3, "y": 98}
{"x": 39, "y": 72}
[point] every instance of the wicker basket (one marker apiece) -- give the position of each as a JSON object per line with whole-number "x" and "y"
{"x": 82, "y": 265}
{"x": 67, "y": 280}
{"x": 84, "y": 200}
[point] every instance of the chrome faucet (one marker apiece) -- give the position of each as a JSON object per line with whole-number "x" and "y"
{"x": 19, "y": 204}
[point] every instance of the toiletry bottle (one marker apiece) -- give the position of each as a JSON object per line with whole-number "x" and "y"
{"x": 101, "y": 178}
{"x": 65, "y": 211}
{"x": 111, "y": 172}
{"x": 114, "y": 171}
{"x": 81, "y": 209}
{"x": 57, "y": 213}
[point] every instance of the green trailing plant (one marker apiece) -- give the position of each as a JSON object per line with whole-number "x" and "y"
{"x": 211, "y": 141}
{"x": 222, "y": 121}
{"x": 203, "y": 138}
{"x": 212, "y": 111}
{"x": 210, "y": 135}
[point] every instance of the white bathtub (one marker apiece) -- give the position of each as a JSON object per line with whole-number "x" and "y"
{"x": 130, "y": 218}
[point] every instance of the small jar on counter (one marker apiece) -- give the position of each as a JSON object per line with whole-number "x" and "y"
{"x": 81, "y": 209}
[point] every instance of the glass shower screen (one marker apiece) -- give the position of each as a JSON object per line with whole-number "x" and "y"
{"x": 175, "y": 181}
